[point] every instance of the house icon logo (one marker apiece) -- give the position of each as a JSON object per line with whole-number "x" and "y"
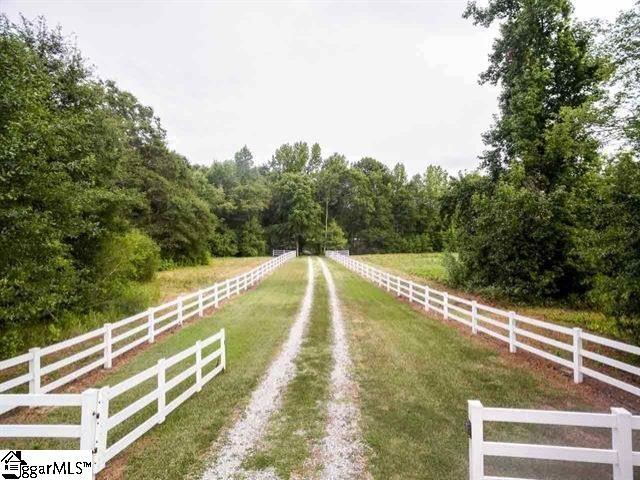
{"x": 11, "y": 465}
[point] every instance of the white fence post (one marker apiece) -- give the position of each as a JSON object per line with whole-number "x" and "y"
{"x": 108, "y": 345}
{"x": 237, "y": 286}
{"x": 476, "y": 439}
{"x": 199, "y": 365}
{"x": 34, "y": 370}
{"x": 180, "y": 308}
{"x": 445, "y": 305}
{"x": 388, "y": 282}
{"x": 102, "y": 420}
{"x": 151, "y": 325}
{"x": 223, "y": 346}
{"x": 88, "y": 419}
{"x": 474, "y": 317}
{"x": 200, "y": 304}
{"x": 621, "y": 439}
{"x": 217, "y": 295}
{"x": 577, "y": 355}
{"x": 162, "y": 392}
{"x": 512, "y": 332}
{"x": 427, "y": 291}
{"x": 411, "y": 292}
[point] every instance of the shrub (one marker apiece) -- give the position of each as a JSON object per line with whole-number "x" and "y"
{"x": 615, "y": 251}
{"x": 251, "y": 242}
{"x": 335, "y": 239}
{"x": 517, "y": 242}
{"x": 121, "y": 259}
{"x": 223, "y": 243}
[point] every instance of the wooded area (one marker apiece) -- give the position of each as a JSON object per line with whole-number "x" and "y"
{"x": 92, "y": 199}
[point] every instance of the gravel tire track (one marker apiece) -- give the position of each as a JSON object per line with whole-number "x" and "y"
{"x": 342, "y": 449}
{"x": 266, "y": 400}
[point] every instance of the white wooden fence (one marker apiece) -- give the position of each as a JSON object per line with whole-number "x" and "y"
{"x": 97, "y": 421}
{"x": 277, "y": 253}
{"x": 569, "y": 347}
{"x": 620, "y": 422}
{"x": 114, "y": 339}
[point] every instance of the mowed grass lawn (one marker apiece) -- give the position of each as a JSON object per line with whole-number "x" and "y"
{"x": 416, "y": 375}
{"x": 256, "y": 325}
{"x": 430, "y": 267}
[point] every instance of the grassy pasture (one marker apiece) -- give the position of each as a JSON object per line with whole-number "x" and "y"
{"x": 166, "y": 285}
{"x": 431, "y": 267}
{"x": 416, "y": 375}
{"x": 256, "y": 324}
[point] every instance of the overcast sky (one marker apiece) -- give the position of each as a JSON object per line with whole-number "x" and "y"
{"x": 396, "y": 81}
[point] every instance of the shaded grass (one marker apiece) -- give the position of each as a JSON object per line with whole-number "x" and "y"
{"x": 431, "y": 267}
{"x": 256, "y": 325}
{"x": 299, "y": 426}
{"x": 416, "y": 375}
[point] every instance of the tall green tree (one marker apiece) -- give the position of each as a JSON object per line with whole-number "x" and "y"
{"x": 622, "y": 44}
{"x": 61, "y": 161}
{"x": 332, "y": 181}
{"x": 297, "y": 214}
{"x": 542, "y": 151}
{"x": 550, "y": 79}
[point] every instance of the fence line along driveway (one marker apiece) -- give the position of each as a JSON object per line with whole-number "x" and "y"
{"x": 96, "y": 420}
{"x": 570, "y": 347}
{"x": 114, "y": 339}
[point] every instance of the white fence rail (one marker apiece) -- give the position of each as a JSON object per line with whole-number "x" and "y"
{"x": 96, "y": 419}
{"x": 277, "y": 253}
{"x": 620, "y": 422}
{"x": 114, "y": 339}
{"x": 568, "y": 347}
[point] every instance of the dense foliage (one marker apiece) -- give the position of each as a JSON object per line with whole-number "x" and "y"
{"x": 92, "y": 200}
{"x": 555, "y": 217}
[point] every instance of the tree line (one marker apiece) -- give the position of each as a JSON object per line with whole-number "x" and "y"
{"x": 93, "y": 199}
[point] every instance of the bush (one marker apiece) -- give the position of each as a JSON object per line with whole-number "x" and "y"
{"x": 517, "y": 242}
{"x": 125, "y": 258}
{"x": 223, "y": 243}
{"x": 336, "y": 238}
{"x": 251, "y": 242}
{"x": 615, "y": 251}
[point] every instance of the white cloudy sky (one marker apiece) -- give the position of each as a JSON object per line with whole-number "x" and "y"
{"x": 393, "y": 80}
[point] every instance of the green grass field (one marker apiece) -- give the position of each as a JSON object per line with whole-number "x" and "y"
{"x": 166, "y": 285}
{"x": 415, "y": 375}
{"x": 256, "y": 324}
{"x": 431, "y": 267}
